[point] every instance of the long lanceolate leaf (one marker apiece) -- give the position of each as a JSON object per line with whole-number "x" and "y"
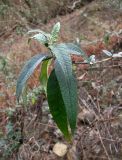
{"x": 56, "y": 104}
{"x": 67, "y": 83}
{"x": 27, "y": 71}
{"x": 71, "y": 48}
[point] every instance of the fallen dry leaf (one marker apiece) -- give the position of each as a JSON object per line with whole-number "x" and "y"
{"x": 82, "y": 76}
{"x": 86, "y": 116}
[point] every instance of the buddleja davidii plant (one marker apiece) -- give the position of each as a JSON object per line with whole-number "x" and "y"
{"x": 60, "y": 85}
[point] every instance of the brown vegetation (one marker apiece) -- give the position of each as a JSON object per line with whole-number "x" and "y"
{"x": 96, "y": 26}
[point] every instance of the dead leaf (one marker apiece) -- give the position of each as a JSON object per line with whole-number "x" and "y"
{"x": 81, "y": 77}
{"x": 86, "y": 116}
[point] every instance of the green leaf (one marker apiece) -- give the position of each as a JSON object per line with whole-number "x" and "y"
{"x": 40, "y": 38}
{"x": 44, "y": 73}
{"x": 106, "y": 38}
{"x": 91, "y": 59}
{"x": 71, "y": 48}
{"x": 56, "y": 28}
{"x": 107, "y": 53}
{"x": 56, "y": 104}
{"x": 27, "y": 71}
{"x": 67, "y": 83}
{"x": 3, "y": 63}
{"x": 55, "y": 32}
{"x": 38, "y": 31}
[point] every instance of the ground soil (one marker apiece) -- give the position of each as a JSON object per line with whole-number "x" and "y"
{"x": 99, "y": 125}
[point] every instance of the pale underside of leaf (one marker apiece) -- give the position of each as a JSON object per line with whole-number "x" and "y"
{"x": 56, "y": 28}
{"x": 37, "y": 31}
{"x": 107, "y": 53}
{"x": 27, "y": 71}
{"x": 40, "y": 38}
{"x": 55, "y": 31}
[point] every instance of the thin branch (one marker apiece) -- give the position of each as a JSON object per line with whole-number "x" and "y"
{"x": 97, "y": 62}
{"x": 104, "y": 60}
{"x": 104, "y": 67}
{"x": 74, "y": 4}
{"x": 103, "y": 144}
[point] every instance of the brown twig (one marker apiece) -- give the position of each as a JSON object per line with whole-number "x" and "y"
{"x": 100, "y": 137}
{"x": 104, "y": 67}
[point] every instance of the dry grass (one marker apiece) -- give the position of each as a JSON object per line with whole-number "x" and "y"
{"x": 100, "y": 94}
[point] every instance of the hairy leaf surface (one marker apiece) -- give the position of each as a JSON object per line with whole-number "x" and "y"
{"x": 55, "y": 31}
{"x": 71, "y": 48}
{"x": 27, "y": 71}
{"x": 40, "y": 38}
{"x": 67, "y": 83}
